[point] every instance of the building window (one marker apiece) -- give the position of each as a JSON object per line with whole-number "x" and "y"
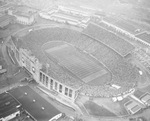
{"x": 51, "y": 84}
{"x": 40, "y": 77}
{"x": 66, "y": 91}
{"x": 46, "y": 81}
{"x": 70, "y": 92}
{"x": 56, "y": 85}
{"x": 44, "y": 78}
{"x": 60, "y": 88}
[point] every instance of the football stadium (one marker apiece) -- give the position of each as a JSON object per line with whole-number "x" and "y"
{"x": 96, "y": 62}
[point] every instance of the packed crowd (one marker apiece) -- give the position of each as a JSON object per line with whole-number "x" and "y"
{"x": 123, "y": 73}
{"x": 125, "y": 34}
{"x": 124, "y": 24}
{"x": 108, "y": 38}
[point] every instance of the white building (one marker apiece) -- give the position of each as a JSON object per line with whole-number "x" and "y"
{"x": 23, "y": 15}
{"x": 24, "y": 18}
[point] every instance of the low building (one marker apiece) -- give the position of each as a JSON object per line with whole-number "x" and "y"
{"x": 9, "y": 107}
{"x": 36, "y": 106}
{"x": 146, "y": 99}
{"x": 23, "y": 14}
{"x": 24, "y": 18}
{"x": 133, "y": 107}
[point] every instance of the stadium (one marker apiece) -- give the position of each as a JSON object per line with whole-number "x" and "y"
{"x": 92, "y": 62}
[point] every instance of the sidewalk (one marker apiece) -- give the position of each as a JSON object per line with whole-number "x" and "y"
{"x": 58, "y": 98}
{"x": 60, "y": 106}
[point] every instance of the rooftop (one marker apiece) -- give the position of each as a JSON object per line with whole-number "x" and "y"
{"x": 34, "y": 108}
{"x": 24, "y": 14}
{"x": 24, "y": 8}
{"x": 78, "y": 9}
{"x": 8, "y": 104}
{"x": 123, "y": 73}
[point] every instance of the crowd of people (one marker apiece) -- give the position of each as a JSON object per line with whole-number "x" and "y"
{"x": 126, "y": 34}
{"x": 108, "y": 38}
{"x": 119, "y": 22}
{"x": 123, "y": 72}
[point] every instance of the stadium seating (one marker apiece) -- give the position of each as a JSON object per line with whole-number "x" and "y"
{"x": 122, "y": 72}
{"x": 109, "y": 39}
{"x": 118, "y": 31}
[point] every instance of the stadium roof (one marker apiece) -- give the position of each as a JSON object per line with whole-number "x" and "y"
{"x": 67, "y": 16}
{"x": 111, "y": 40}
{"x": 19, "y": 13}
{"x": 8, "y": 105}
{"x": 25, "y": 8}
{"x": 79, "y": 9}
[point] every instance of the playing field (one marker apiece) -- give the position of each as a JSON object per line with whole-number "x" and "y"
{"x": 78, "y": 63}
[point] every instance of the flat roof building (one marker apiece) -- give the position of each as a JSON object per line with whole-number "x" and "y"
{"x": 35, "y": 105}
{"x": 9, "y": 107}
{"x": 23, "y": 14}
{"x": 146, "y": 99}
{"x": 133, "y": 107}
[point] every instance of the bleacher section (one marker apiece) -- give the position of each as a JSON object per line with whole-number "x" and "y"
{"x": 109, "y": 39}
{"x": 124, "y": 24}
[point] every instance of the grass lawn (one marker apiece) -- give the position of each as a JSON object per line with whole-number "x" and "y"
{"x": 96, "y": 110}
